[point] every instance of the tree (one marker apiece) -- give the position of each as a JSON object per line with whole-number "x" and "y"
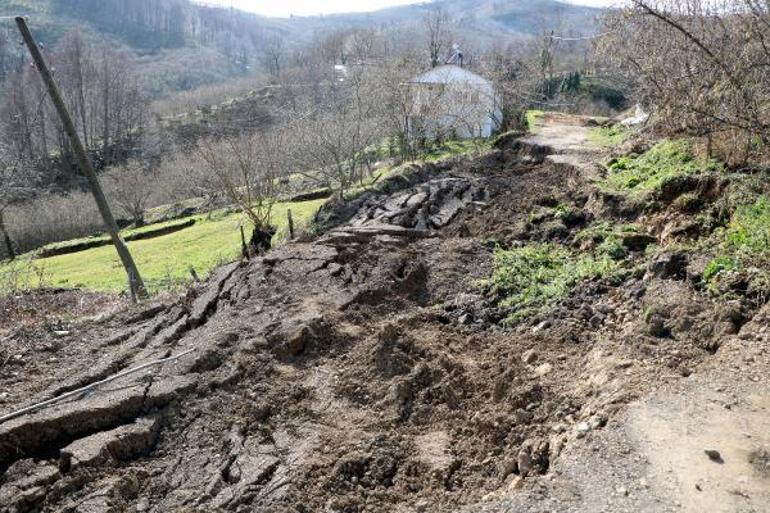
{"x": 700, "y": 65}
{"x": 331, "y": 133}
{"x": 273, "y": 55}
{"x": 135, "y": 281}
{"x": 101, "y": 91}
{"x": 131, "y": 186}
{"x": 437, "y": 25}
{"x": 17, "y": 183}
{"x": 248, "y": 170}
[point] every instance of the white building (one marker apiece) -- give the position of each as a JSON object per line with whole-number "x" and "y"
{"x": 450, "y": 101}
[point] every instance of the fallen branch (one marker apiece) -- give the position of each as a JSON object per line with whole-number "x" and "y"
{"x": 73, "y": 393}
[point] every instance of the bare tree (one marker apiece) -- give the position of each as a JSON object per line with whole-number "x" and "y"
{"x": 247, "y": 170}
{"x": 131, "y": 186}
{"x": 437, "y": 25}
{"x": 331, "y": 136}
{"x": 136, "y": 283}
{"x": 700, "y": 65}
{"x": 273, "y": 55}
{"x": 101, "y": 90}
{"x": 17, "y": 183}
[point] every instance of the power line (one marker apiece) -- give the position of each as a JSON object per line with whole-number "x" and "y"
{"x": 581, "y": 38}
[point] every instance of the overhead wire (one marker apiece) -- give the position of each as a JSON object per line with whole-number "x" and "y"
{"x": 581, "y": 38}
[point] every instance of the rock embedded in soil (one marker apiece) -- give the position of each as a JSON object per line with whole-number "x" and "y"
{"x": 669, "y": 265}
{"x": 529, "y": 357}
{"x": 543, "y": 369}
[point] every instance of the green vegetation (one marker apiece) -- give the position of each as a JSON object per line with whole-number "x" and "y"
{"x": 609, "y": 238}
{"x": 641, "y": 174}
{"x": 749, "y": 230}
{"x": 743, "y": 245}
{"x": 609, "y": 136}
{"x": 532, "y": 277}
{"x": 454, "y": 147}
{"x": 533, "y": 117}
{"x": 127, "y": 233}
{"x": 439, "y": 152}
{"x": 719, "y": 264}
{"x": 372, "y": 182}
{"x": 165, "y": 261}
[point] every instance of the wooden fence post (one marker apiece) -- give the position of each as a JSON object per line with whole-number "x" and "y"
{"x": 291, "y": 224}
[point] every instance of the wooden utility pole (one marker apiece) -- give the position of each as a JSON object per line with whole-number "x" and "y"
{"x": 135, "y": 282}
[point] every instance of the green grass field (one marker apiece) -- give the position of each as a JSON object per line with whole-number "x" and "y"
{"x": 164, "y": 262}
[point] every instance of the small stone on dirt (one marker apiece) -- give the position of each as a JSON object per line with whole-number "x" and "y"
{"x": 529, "y": 357}
{"x": 516, "y": 483}
{"x": 582, "y": 429}
{"x": 544, "y": 369}
{"x": 524, "y": 462}
{"x": 714, "y": 455}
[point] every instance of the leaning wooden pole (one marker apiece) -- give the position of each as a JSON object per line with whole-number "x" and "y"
{"x": 136, "y": 284}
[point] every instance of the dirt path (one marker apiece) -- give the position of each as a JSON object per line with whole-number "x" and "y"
{"x": 567, "y": 137}
{"x": 365, "y": 371}
{"x": 652, "y": 460}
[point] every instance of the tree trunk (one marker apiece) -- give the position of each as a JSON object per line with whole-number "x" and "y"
{"x": 7, "y": 239}
{"x": 262, "y": 239}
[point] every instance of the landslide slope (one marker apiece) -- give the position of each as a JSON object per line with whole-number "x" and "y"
{"x": 377, "y": 369}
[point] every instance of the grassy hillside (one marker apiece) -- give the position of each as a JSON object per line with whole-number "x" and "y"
{"x": 164, "y": 262}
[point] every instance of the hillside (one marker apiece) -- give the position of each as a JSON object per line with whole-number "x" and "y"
{"x": 493, "y": 17}
{"x": 472, "y": 335}
{"x": 182, "y": 45}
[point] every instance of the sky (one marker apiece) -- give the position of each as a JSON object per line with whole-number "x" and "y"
{"x": 283, "y": 8}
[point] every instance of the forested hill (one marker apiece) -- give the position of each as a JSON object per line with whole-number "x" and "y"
{"x": 180, "y": 44}
{"x": 494, "y": 18}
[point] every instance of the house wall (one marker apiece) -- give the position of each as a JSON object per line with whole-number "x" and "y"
{"x": 464, "y": 110}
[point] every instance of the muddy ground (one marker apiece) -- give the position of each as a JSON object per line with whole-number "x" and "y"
{"x": 364, "y": 371}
